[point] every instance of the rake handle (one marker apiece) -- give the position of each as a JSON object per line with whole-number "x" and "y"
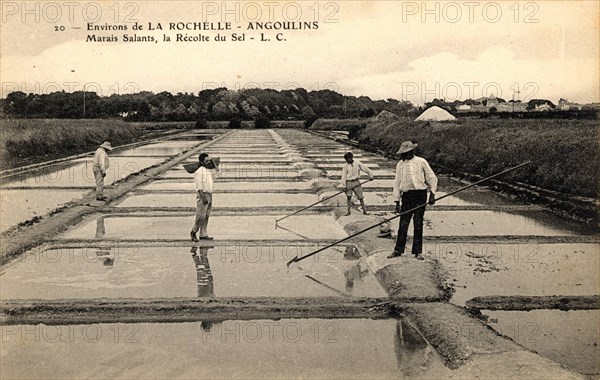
{"x": 296, "y": 259}
{"x": 321, "y": 200}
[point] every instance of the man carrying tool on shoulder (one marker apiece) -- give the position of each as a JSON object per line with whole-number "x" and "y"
{"x": 351, "y": 180}
{"x": 413, "y": 176}
{"x": 204, "y": 185}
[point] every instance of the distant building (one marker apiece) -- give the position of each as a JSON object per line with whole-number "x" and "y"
{"x": 595, "y": 106}
{"x": 488, "y": 101}
{"x": 512, "y": 107}
{"x": 480, "y": 108}
{"x": 504, "y": 107}
{"x": 565, "y": 105}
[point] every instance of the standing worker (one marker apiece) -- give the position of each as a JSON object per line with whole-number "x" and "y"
{"x": 99, "y": 167}
{"x": 203, "y": 183}
{"x": 351, "y": 180}
{"x": 413, "y": 176}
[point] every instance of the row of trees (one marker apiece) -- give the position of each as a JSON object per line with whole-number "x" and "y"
{"x": 214, "y": 104}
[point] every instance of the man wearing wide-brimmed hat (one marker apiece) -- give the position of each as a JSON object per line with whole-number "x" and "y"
{"x": 413, "y": 177}
{"x": 99, "y": 167}
{"x": 350, "y": 180}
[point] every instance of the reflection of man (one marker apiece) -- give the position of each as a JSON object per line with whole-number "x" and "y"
{"x": 99, "y": 166}
{"x": 351, "y": 275}
{"x": 205, "y": 280}
{"x": 203, "y": 183}
{"x": 103, "y": 254}
{"x": 351, "y": 253}
{"x": 203, "y": 273}
{"x": 413, "y": 176}
{"x": 100, "y": 229}
{"x": 412, "y": 352}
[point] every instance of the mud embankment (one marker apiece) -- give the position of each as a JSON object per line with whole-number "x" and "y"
{"x": 189, "y": 309}
{"x": 527, "y": 303}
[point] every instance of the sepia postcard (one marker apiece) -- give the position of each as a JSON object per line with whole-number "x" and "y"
{"x": 299, "y": 189}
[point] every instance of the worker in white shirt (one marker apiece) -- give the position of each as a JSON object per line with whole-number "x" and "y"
{"x": 203, "y": 183}
{"x": 99, "y": 166}
{"x": 350, "y": 180}
{"x": 413, "y": 177}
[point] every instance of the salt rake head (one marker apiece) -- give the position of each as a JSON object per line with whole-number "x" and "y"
{"x": 295, "y": 259}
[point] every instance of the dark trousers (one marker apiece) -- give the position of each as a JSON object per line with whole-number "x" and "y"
{"x": 412, "y": 199}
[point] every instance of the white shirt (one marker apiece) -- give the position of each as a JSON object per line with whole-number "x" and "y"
{"x": 101, "y": 160}
{"x": 413, "y": 174}
{"x": 351, "y": 172}
{"x": 203, "y": 180}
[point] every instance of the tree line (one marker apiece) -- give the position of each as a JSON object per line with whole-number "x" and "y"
{"x": 211, "y": 104}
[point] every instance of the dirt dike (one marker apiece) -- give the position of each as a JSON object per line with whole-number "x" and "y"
{"x": 403, "y": 277}
{"x": 527, "y": 303}
{"x": 88, "y": 311}
{"x": 469, "y": 344}
{"x": 22, "y": 238}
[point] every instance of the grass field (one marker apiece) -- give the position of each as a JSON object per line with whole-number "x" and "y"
{"x": 564, "y": 153}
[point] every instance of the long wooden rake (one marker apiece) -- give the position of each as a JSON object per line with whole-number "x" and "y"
{"x": 296, "y": 259}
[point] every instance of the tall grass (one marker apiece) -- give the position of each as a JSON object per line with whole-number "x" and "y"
{"x": 26, "y": 138}
{"x": 564, "y": 153}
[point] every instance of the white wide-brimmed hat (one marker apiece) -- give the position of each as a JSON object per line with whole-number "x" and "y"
{"x": 385, "y": 230}
{"x": 407, "y": 146}
{"x": 106, "y": 145}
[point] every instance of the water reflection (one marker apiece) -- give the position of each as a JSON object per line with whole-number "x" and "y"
{"x": 204, "y": 275}
{"x": 204, "y": 280}
{"x": 351, "y": 253}
{"x": 103, "y": 254}
{"x": 100, "y": 228}
{"x": 412, "y": 352}
{"x": 354, "y": 273}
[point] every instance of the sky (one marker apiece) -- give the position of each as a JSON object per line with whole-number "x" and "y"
{"x": 407, "y": 50}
